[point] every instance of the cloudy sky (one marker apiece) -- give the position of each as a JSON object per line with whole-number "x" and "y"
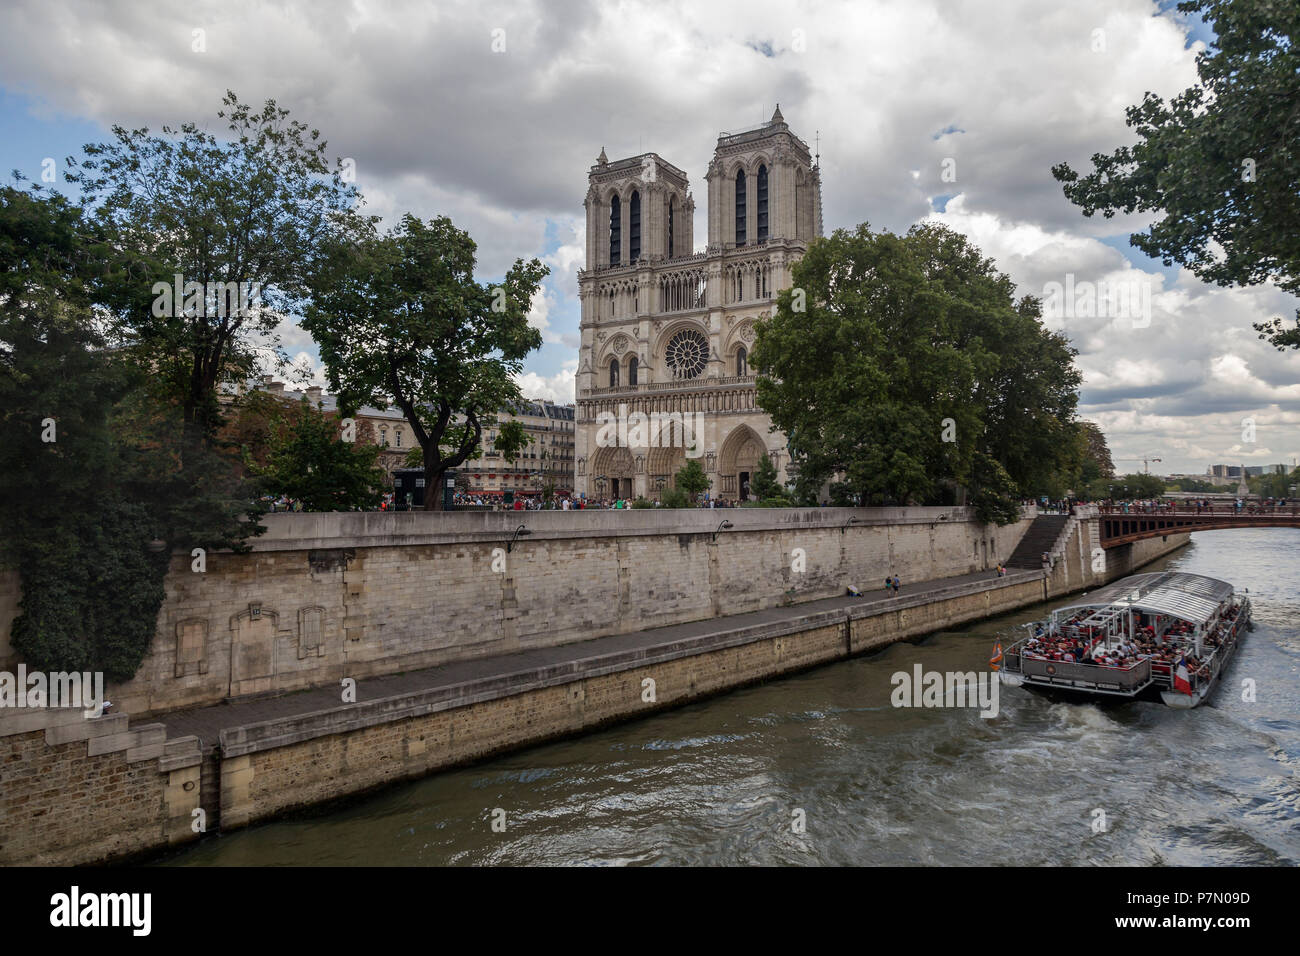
{"x": 492, "y": 113}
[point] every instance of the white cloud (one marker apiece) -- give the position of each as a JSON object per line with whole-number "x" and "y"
{"x": 438, "y": 123}
{"x": 555, "y": 388}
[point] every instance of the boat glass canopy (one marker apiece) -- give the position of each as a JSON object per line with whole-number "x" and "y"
{"x": 1191, "y": 597}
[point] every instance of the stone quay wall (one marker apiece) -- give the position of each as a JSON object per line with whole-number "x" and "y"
{"x": 322, "y": 597}
{"x": 281, "y": 765}
{"x": 78, "y": 790}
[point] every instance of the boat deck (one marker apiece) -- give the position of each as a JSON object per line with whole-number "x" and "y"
{"x": 1140, "y": 637}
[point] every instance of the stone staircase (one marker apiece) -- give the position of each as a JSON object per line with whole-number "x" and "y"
{"x": 1041, "y": 537}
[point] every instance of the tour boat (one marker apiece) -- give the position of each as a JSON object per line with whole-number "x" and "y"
{"x": 1165, "y": 636}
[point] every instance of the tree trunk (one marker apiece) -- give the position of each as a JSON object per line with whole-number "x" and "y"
{"x": 433, "y": 485}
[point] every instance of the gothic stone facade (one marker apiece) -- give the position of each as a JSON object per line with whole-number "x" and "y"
{"x": 666, "y": 331}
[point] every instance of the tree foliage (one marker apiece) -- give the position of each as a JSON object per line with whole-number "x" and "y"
{"x": 1095, "y": 454}
{"x": 1193, "y": 485}
{"x": 308, "y": 461}
{"x": 912, "y": 369}
{"x": 73, "y": 514}
{"x": 1220, "y": 161}
{"x": 691, "y": 479}
{"x": 401, "y": 317}
{"x": 764, "y": 484}
{"x": 139, "y": 465}
{"x": 1128, "y": 487}
{"x": 1274, "y": 485}
{"x": 253, "y": 208}
{"x": 511, "y": 440}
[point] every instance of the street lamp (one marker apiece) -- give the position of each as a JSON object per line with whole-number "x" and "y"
{"x": 519, "y": 533}
{"x": 726, "y": 525}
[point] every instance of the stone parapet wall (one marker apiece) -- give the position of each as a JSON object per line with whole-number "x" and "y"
{"x": 322, "y": 597}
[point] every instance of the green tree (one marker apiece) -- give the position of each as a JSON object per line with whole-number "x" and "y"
{"x": 764, "y": 484}
{"x": 1135, "y": 486}
{"x": 309, "y": 461}
{"x": 401, "y": 316}
{"x": 1219, "y": 161}
{"x": 72, "y": 519}
{"x": 244, "y": 215}
{"x": 1273, "y": 485}
{"x": 512, "y": 438}
{"x": 1095, "y": 454}
{"x": 675, "y": 498}
{"x": 901, "y": 367}
{"x": 1192, "y": 485}
{"x": 691, "y": 480}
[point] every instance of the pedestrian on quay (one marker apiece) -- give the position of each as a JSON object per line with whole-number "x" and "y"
{"x": 897, "y": 584}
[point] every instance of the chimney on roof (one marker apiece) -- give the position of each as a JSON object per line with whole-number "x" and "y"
{"x": 313, "y": 394}
{"x": 267, "y": 380}
{"x": 274, "y": 387}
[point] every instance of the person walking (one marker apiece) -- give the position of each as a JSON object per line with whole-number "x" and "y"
{"x": 897, "y": 585}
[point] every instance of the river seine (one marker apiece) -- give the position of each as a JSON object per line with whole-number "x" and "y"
{"x": 819, "y": 768}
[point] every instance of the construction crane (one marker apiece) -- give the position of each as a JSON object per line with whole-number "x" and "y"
{"x": 1146, "y": 466}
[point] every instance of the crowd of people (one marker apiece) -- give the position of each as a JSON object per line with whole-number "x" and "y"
{"x": 563, "y": 503}
{"x": 1198, "y": 505}
{"x": 281, "y": 503}
{"x": 1069, "y": 647}
{"x": 1079, "y": 643}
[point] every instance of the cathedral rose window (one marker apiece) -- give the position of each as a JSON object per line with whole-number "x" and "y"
{"x": 687, "y": 353}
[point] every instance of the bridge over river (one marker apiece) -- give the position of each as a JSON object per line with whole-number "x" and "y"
{"x": 1119, "y": 527}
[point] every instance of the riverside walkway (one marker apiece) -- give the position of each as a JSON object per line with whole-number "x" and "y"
{"x": 481, "y": 678}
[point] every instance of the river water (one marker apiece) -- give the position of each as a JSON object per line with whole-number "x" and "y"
{"x": 728, "y": 780}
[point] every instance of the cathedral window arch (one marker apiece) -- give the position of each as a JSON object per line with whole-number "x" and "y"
{"x": 740, "y": 207}
{"x": 632, "y": 367}
{"x": 672, "y": 208}
{"x": 615, "y": 231}
{"x": 742, "y": 361}
{"x": 634, "y": 227}
{"x": 762, "y": 203}
{"x": 613, "y": 373}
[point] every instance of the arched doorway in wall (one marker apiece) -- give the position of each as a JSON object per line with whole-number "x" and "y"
{"x": 662, "y": 465}
{"x": 738, "y": 462}
{"x": 611, "y": 473}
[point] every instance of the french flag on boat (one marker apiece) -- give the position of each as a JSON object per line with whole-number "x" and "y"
{"x": 1181, "y": 681}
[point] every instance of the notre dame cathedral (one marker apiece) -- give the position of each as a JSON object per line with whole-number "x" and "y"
{"x": 666, "y": 331}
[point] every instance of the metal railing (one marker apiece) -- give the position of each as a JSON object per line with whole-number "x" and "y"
{"x": 1125, "y": 679}
{"x": 684, "y": 384}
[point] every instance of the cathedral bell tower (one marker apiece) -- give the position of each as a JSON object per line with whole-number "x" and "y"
{"x": 763, "y": 185}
